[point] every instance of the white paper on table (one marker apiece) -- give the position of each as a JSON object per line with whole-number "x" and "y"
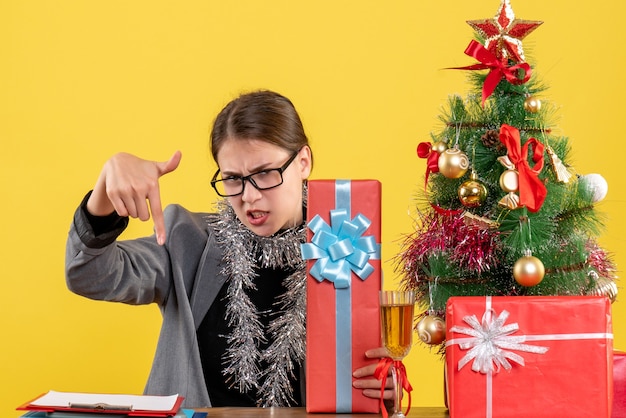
{"x": 135, "y": 402}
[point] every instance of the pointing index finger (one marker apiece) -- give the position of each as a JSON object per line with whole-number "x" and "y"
{"x": 154, "y": 199}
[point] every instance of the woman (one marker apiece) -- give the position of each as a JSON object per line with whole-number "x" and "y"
{"x": 230, "y": 284}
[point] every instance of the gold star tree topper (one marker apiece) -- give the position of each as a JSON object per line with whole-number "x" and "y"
{"x": 503, "y": 33}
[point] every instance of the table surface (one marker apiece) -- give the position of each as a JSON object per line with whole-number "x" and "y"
{"x": 301, "y": 412}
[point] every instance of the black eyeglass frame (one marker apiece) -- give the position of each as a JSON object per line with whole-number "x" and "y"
{"x": 250, "y": 180}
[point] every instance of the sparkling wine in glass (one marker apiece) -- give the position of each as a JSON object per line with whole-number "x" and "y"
{"x": 396, "y": 316}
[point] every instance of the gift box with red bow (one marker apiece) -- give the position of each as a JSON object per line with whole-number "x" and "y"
{"x": 343, "y": 281}
{"x": 529, "y": 356}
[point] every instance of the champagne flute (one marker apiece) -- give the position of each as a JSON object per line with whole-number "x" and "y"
{"x": 396, "y": 316}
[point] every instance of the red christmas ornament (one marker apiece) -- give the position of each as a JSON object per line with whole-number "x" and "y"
{"x": 504, "y": 33}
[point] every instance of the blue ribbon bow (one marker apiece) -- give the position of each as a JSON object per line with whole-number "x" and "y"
{"x": 340, "y": 248}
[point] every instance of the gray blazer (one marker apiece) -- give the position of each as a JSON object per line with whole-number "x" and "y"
{"x": 182, "y": 277}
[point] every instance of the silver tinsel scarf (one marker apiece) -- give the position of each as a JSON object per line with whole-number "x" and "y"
{"x": 243, "y": 251}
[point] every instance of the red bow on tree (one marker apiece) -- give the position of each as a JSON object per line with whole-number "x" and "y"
{"x": 499, "y": 69}
{"x": 532, "y": 191}
{"x": 425, "y": 150}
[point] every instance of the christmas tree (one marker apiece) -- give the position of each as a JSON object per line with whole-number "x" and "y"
{"x": 502, "y": 211}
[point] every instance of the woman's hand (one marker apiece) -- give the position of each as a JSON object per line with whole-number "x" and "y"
{"x": 129, "y": 186}
{"x": 365, "y": 377}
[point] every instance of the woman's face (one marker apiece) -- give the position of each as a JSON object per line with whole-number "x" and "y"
{"x": 265, "y": 212}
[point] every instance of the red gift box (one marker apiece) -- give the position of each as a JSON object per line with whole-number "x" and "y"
{"x": 529, "y": 356}
{"x": 619, "y": 384}
{"x": 343, "y": 281}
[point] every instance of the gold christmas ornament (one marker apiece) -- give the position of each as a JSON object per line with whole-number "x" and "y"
{"x": 532, "y": 104}
{"x": 479, "y": 221}
{"x": 432, "y": 330}
{"x": 453, "y": 163}
{"x": 439, "y": 147}
{"x": 509, "y": 181}
{"x": 604, "y": 287}
{"x": 528, "y": 271}
{"x": 562, "y": 173}
{"x": 472, "y": 193}
{"x": 509, "y": 201}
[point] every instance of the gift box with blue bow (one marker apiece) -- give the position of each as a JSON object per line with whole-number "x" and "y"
{"x": 343, "y": 281}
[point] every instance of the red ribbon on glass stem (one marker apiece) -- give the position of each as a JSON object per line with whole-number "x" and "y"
{"x": 381, "y": 373}
{"x": 532, "y": 191}
{"x": 498, "y": 68}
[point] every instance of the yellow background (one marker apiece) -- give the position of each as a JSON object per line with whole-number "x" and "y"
{"x": 81, "y": 80}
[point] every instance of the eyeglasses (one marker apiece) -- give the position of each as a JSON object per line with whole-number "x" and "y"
{"x": 261, "y": 180}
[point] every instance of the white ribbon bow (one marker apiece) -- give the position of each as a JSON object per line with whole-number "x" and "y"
{"x": 491, "y": 341}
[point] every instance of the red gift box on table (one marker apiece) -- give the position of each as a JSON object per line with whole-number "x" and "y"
{"x": 619, "y": 384}
{"x": 530, "y": 356}
{"x": 343, "y": 281}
